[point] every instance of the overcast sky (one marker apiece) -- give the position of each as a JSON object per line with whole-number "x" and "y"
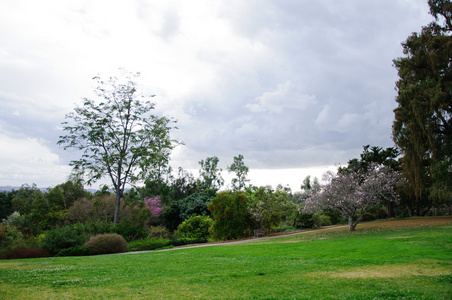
{"x": 296, "y": 86}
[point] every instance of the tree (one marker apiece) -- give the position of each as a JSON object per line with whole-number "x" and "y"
{"x": 210, "y": 174}
{"x": 118, "y": 135}
{"x": 422, "y": 127}
{"x": 266, "y": 207}
{"x": 353, "y": 192}
{"x": 240, "y": 170}
{"x": 230, "y": 215}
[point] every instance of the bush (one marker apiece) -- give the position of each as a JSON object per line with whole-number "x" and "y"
{"x": 186, "y": 241}
{"x": 74, "y": 251}
{"x": 26, "y": 253}
{"x": 148, "y": 244}
{"x": 368, "y": 217}
{"x": 106, "y": 244}
{"x": 322, "y": 220}
{"x": 231, "y": 215}
{"x": 62, "y": 238}
{"x": 196, "y": 227}
{"x": 160, "y": 232}
{"x": 128, "y": 231}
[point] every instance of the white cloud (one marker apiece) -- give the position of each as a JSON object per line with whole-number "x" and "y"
{"x": 29, "y": 161}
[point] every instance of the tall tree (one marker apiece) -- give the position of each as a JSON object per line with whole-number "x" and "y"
{"x": 118, "y": 135}
{"x": 422, "y": 128}
{"x": 210, "y": 173}
{"x": 240, "y": 170}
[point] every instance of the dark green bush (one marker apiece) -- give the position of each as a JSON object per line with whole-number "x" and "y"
{"x": 322, "y": 220}
{"x": 186, "y": 241}
{"x": 106, "y": 244}
{"x": 74, "y": 251}
{"x": 181, "y": 210}
{"x": 195, "y": 227}
{"x": 231, "y": 215}
{"x": 148, "y": 244}
{"x": 368, "y": 217}
{"x": 26, "y": 253}
{"x": 61, "y": 238}
{"x": 128, "y": 231}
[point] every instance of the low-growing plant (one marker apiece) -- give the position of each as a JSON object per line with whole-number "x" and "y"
{"x": 186, "y": 241}
{"x": 148, "y": 244}
{"x": 195, "y": 227}
{"x": 74, "y": 251}
{"x": 26, "y": 253}
{"x": 160, "y": 232}
{"x": 106, "y": 244}
{"x": 61, "y": 238}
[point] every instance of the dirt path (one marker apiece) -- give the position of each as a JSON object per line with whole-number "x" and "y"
{"x": 244, "y": 240}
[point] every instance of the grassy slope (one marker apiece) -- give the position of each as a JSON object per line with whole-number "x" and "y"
{"x": 409, "y": 259}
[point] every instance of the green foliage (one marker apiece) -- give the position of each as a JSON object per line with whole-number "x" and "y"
{"x": 10, "y": 238}
{"x": 129, "y": 231}
{"x": 210, "y": 174}
{"x": 15, "y": 219}
{"x": 230, "y": 214}
{"x": 61, "y": 238}
{"x": 160, "y": 232}
{"x": 422, "y": 127}
{"x": 186, "y": 241}
{"x": 322, "y": 220}
{"x": 74, "y": 251}
{"x": 6, "y": 206}
{"x": 195, "y": 227}
{"x": 267, "y": 207}
{"x": 147, "y": 244}
{"x": 367, "y": 216}
{"x": 179, "y": 211}
{"x": 241, "y": 171}
{"x": 106, "y": 244}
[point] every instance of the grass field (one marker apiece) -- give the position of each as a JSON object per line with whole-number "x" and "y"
{"x": 398, "y": 259}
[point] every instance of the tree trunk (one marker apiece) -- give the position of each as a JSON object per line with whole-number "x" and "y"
{"x": 351, "y": 226}
{"x": 390, "y": 207}
{"x": 117, "y": 206}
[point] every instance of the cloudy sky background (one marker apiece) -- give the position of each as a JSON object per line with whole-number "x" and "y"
{"x": 296, "y": 86}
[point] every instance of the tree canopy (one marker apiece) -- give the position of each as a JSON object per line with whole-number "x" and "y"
{"x": 422, "y": 127}
{"x": 118, "y": 135}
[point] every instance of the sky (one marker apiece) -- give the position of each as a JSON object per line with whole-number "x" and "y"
{"x": 295, "y": 86}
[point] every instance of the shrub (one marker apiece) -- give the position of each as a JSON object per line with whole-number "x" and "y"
{"x": 106, "y": 244}
{"x": 186, "y": 241}
{"x": 231, "y": 215}
{"x": 26, "y": 253}
{"x": 195, "y": 227}
{"x": 74, "y": 251}
{"x": 322, "y": 220}
{"x": 160, "y": 232}
{"x": 148, "y": 244}
{"x": 10, "y": 238}
{"x": 181, "y": 210}
{"x": 368, "y": 217}
{"x": 62, "y": 238}
{"x": 128, "y": 231}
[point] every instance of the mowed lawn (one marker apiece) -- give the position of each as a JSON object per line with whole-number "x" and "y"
{"x": 397, "y": 259}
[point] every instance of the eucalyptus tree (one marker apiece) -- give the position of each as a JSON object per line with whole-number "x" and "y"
{"x": 241, "y": 171}
{"x": 210, "y": 174}
{"x": 422, "y": 128}
{"x": 118, "y": 135}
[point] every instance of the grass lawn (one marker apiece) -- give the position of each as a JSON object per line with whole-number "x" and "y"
{"x": 399, "y": 259}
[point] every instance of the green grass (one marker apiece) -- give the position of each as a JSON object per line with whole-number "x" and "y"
{"x": 379, "y": 261}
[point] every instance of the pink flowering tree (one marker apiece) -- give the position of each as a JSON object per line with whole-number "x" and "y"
{"x": 353, "y": 192}
{"x": 156, "y": 207}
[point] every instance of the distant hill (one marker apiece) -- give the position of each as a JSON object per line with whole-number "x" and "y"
{"x": 9, "y": 188}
